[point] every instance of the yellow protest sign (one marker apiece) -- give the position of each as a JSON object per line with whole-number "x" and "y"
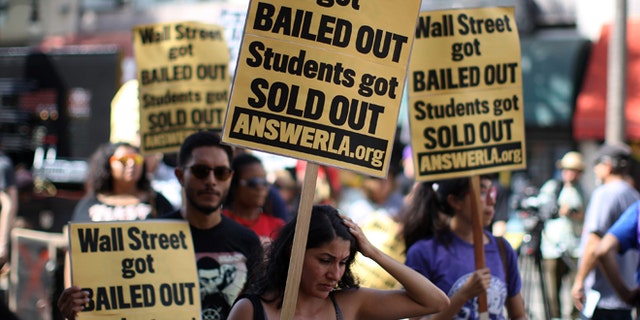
{"x": 322, "y": 80}
{"x": 465, "y": 94}
{"x": 135, "y": 270}
{"x": 183, "y": 78}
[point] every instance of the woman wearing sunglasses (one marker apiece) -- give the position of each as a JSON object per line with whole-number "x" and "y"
{"x": 248, "y": 195}
{"x": 438, "y": 234}
{"x": 118, "y": 188}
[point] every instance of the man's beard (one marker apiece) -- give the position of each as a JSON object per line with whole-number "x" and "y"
{"x": 207, "y": 210}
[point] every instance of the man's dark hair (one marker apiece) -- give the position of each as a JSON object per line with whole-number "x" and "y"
{"x": 201, "y": 139}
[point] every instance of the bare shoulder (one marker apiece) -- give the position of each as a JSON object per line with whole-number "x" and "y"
{"x": 242, "y": 309}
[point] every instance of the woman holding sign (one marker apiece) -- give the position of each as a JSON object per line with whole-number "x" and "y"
{"x": 328, "y": 289}
{"x": 438, "y": 233}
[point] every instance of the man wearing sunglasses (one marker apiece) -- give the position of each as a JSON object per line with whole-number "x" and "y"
{"x": 205, "y": 175}
{"x": 204, "y": 171}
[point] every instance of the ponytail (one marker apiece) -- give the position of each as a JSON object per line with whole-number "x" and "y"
{"x": 423, "y": 216}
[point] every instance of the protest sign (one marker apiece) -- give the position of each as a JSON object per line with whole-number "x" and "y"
{"x": 183, "y": 80}
{"x": 322, "y": 81}
{"x": 135, "y": 270}
{"x": 465, "y": 94}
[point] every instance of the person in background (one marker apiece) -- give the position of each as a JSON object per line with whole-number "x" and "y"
{"x": 275, "y": 205}
{"x": 205, "y": 173}
{"x": 248, "y": 195}
{"x": 438, "y": 234}
{"x": 328, "y": 289}
{"x": 118, "y": 188}
{"x": 622, "y": 236}
{"x": 612, "y": 197}
{"x": 561, "y": 204}
{"x": 376, "y": 195}
{"x": 289, "y": 190}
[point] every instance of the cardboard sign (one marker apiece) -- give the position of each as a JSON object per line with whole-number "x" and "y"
{"x": 465, "y": 94}
{"x": 135, "y": 270}
{"x": 322, "y": 81}
{"x": 183, "y": 78}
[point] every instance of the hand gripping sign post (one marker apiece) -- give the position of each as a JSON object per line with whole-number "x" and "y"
{"x": 125, "y": 266}
{"x": 465, "y": 96}
{"x": 321, "y": 81}
{"x": 183, "y": 80}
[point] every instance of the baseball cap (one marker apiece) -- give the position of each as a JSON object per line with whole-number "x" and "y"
{"x": 613, "y": 151}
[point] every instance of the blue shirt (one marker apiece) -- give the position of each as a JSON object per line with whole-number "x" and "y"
{"x": 627, "y": 232}
{"x": 450, "y": 266}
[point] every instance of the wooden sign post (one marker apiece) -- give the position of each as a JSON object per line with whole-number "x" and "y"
{"x": 299, "y": 241}
{"x": 478, "y": 241}
{"x": 321, "y": 81}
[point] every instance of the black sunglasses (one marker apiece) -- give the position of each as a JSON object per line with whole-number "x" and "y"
{"x": 254, "y": 182}
{"x": 201, "y": 171}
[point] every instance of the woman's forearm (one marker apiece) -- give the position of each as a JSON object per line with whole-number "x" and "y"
{"x": 417, "y": 286}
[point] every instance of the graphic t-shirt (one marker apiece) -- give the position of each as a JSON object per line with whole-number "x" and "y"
{"x": 450, "y": 266}
{"x": 226, "y": 255}
{"x": 91, "y": 209}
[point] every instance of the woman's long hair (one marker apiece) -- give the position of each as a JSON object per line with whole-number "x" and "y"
{"x": 325, "y": 226}
{"x": 423, "y": 217}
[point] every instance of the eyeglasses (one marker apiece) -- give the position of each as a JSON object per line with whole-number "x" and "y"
{"x": 137, "y": 159}
{"x": 201, "y": 171}
{"x": 254, "y": 183}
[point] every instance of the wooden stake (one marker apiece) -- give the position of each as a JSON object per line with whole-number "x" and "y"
{"x": 299, "y": 241}
{"x": 478, "y": 240}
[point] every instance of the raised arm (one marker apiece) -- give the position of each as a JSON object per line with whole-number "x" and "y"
{"x": 419, "y": 297}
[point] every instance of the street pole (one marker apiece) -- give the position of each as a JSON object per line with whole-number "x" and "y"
{"x": 617, "y": 75}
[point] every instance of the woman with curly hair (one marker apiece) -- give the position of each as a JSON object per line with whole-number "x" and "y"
{"x": 328, "y": 288}
{"x": 118, "y": 188}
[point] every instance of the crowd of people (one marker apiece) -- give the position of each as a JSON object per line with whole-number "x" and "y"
{"x": 242, "y": 219}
